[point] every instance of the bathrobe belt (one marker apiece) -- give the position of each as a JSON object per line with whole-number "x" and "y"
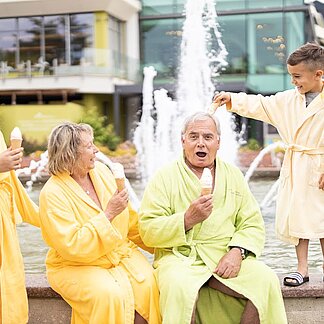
{"x": 287, "y": 163}
{"x": 122, "y": 256}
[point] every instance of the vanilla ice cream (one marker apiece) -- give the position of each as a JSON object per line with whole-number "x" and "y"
{"x": 15, "y": 138}
{"x": 206, "y": 182}
{"x": 212, "y": 108}
{"x": 119, "y": 174}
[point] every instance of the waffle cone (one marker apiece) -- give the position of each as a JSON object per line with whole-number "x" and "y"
{"x": 120, "y": 182}
{"x": 206, "y": 191}
{"x": 15, "y": 143}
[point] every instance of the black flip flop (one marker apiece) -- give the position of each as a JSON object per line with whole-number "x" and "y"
{"x": 299, "y": 279}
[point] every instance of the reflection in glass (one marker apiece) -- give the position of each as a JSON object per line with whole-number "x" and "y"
{"x": 154, "y": 7}
{"x": 54, "y": 38}
{"x": 30, "y": 33}
{"x": 267, "y": 47}
{"x": 81, "y": 27}
{"x": 116, "y": 40}
{"x": 8, "y": 41}
{"x": 235, "y": 43}
{"x": 161, "y": 39}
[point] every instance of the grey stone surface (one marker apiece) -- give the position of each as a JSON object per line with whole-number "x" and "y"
{"x": 304, "y": 304}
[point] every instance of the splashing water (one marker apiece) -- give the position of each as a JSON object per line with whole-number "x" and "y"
{"x": 39, "y": 166}
{"x": 258, "y": 159}
{"x": 158, "y": 139}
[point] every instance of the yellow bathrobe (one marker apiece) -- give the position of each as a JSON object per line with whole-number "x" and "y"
{"x": 300, "y": 204}
{"x": 184, "y": 261}
{"x": 14, "y": 205}
{"x": 93, "y": 263}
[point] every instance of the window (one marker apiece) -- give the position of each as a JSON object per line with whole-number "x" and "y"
{"x": 161, "y": 39}
{"x": 116, "y": 41}
{"x": 81, "y": 35}
{"x": 54, "y": 38}
{"x": 8, "y": 41}
{"x": 30, "y": 39}
{"x": 158, "y": 7}
{"x": 235, "y": 43}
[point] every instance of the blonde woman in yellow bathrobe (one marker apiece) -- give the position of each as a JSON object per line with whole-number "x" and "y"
{"x": 91, "y": 229}
{"x": 298, "y": 115}
{"x": 15, "y": 206}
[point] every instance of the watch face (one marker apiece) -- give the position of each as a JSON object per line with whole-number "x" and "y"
{"x": 243, "y": 253}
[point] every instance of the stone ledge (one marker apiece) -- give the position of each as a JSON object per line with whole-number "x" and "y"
{"x": 38, "y": 287}
{"x": 304, "y": 304}
{"x": 312, "y": 289}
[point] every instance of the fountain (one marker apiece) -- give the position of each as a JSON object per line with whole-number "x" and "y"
{"x": 158, "y": 139}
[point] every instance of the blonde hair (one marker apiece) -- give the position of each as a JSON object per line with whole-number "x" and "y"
{"x": 63, "y": 146}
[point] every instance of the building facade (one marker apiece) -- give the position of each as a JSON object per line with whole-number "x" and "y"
{"x": 60, "y": 58}
{"x": 258, "y": 36}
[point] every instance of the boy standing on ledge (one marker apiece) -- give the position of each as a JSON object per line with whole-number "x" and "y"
{"x": 298, "y": 115}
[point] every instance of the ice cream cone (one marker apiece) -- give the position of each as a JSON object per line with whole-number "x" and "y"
{"x": 212, "y": 108}
{"x": 206, "y": 191}
{"x": 15, "y": 143}
{"x": 206, "y": 182}
{"x": 118, "y": 172}
{"x": 120, "y": 182}
{"x": 15, "y": 138}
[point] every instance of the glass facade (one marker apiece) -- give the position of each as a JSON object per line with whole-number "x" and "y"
{"x": 45, "y": 38}
{"x": 8, "y": 41}
{"x": 116, "y": 41}
{"x": 153, "y": 7}
{"x": 160, "y": 46}
{"x": 68, "y": 44}
{"x": 258, "y": 36}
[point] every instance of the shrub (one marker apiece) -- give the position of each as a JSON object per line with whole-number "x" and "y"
{"x": 103, "y": 132}
{"x": 252, "y": 145}
{"x": 31, "y": 146}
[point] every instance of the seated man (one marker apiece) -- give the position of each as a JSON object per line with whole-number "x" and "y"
{"x": 206, "y": 246}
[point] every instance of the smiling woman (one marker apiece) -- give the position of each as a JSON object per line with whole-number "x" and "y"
{"x": 92, "y": 233}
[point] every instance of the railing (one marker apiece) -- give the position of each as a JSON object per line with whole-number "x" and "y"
{"x": 93, "y": 62}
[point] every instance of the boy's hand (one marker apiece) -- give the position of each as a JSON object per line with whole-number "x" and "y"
{"x": 11, "y": 159}
{"x": 321, "y": 182}
{"x": 222, "y": 98}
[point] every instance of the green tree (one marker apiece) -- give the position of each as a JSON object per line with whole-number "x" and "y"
{"x": 104, "y": 134}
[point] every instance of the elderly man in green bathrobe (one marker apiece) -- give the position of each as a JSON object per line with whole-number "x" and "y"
{"x": 206, "y": 246}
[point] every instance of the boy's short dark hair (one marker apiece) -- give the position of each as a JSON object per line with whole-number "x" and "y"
{"x": 310, "y": 54}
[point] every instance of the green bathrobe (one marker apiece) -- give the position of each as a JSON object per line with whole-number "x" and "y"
{"x": 184, "y": 261}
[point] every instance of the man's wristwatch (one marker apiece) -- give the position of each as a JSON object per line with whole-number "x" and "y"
{"x": 244, "y": 252}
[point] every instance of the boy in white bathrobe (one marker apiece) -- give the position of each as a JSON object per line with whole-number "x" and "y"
{"x": 298, "y": 115}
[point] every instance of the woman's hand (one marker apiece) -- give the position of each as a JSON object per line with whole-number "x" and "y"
{"x": 117, "y": 203}
{"x": 11, "y": 159}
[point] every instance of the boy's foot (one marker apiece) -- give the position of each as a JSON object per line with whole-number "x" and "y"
{"x": 295, "y": 279}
